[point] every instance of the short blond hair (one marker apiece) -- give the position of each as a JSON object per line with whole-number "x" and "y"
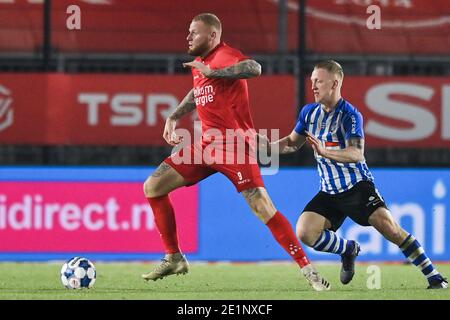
{"x": 209, "y": 19}
{"x": 331, "y": 66}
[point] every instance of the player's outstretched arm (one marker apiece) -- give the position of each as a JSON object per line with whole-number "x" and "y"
{"x": 354, "y": 152}
{"x": 288, "y": 144}
{"x": 242, "y": 70}
{"x": 185, "y": 106}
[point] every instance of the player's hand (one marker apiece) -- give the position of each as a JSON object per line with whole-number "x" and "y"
{"x": 204, "y": 69}
{"x": 169, "y": 132}
{"x": 316, "y": 144}
{"x": 263, "y": 141}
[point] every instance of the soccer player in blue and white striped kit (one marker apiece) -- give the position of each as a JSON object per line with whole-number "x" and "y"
{"x": 334, "y": 128}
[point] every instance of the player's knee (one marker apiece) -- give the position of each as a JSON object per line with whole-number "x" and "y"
{"x": 305, "y": 235}
{"x": 387, "y": 226}
{"x": 150, "y": 188}
{"x": 308, "y": 239}
{"x": 258, "y": 201}
{"x": 261, "y": 208}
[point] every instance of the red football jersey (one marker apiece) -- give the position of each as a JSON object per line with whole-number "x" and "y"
{"x": 222, "y": 103}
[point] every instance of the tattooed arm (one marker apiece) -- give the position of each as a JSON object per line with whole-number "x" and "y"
{"x": 185, "y": 106}
{"x": 354, "y": 152}
{"x": 242, "y": 70}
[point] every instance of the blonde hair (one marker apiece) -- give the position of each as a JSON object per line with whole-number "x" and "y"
{"x": 331, "y": 66}
{"x": 209, "y": 19}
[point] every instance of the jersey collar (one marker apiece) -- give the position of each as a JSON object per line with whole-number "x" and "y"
{"x": 338, "y": 105}
{"x": 221, "y": 44}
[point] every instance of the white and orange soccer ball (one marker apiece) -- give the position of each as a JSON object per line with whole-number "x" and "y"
{"x": 78, "y": 273}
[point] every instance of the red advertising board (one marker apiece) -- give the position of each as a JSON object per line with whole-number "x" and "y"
{"x": 119, "y": 109}
{"x": 89, "y": 217}
{"x": 131, "y": 110}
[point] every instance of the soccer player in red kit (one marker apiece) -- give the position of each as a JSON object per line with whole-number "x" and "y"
{"x": 220, "y": 95}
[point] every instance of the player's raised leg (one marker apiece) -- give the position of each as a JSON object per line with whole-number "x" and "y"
{"x": 314, "y": 230}
{"x": 156, "y": 188}
{"x": 382, "y": 220}
{"x": 261, "y": 204}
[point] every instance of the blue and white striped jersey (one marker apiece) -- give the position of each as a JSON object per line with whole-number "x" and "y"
{"x": 334, "y": 129}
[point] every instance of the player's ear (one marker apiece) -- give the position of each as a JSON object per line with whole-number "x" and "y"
{"x": 335, "y": 84}
{"x": 213, "y": 35}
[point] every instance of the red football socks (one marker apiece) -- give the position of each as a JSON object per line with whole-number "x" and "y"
{"x": 285, "y": 235}
{"x": 165, "y": 222}
{"x": 278, "y": 225}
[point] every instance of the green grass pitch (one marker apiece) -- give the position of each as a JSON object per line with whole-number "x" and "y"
{"x": 213, "y": 281}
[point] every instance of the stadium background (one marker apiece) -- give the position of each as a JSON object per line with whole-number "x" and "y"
{"x": 82, "y": 114}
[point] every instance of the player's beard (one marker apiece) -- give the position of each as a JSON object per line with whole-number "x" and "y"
{"x": 198, "y": 50}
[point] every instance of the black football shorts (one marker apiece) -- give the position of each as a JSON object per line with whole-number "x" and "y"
{"x": 358, "y": 203}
